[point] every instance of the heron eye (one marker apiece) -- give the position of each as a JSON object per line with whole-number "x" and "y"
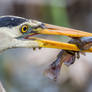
{"x": 24, "y": 28}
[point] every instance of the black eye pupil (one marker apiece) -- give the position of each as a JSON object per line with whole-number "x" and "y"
{"x": 25, "y": 28}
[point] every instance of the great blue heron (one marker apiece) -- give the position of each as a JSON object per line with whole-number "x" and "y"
{"x": 13, "y": 28}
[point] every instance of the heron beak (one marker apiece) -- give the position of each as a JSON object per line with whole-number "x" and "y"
{"x": 57, "y": 30}
{"x": 58, "y": 45}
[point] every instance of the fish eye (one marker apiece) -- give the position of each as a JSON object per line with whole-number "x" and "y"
{"x": 24, "y": 29}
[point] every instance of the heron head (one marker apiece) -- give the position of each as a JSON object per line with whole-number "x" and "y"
{"x": 18, "y": 27}
{"x": 14, "y": 27}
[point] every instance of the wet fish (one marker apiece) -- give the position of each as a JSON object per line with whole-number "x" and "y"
{"x": 68, "y": 57}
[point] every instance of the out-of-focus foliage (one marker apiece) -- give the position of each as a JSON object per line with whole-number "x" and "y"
{"x": 21, "y": 70}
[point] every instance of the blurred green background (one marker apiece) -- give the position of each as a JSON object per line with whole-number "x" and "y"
{"x": 21, "y": 70}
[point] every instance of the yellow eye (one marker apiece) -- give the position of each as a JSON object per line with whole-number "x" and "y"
{"x": 24, "y": 28}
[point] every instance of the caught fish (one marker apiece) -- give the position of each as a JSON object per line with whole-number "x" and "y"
{"x": 68, "y": 57}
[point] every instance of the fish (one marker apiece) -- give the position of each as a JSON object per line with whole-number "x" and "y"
{"x": 68, "y": 57}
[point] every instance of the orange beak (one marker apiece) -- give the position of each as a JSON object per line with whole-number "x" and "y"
{"x": 58, "y": 45}
{"x": 56, "y": 30}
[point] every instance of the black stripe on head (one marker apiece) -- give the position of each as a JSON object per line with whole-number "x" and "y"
{"x": 11, "y": 21}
